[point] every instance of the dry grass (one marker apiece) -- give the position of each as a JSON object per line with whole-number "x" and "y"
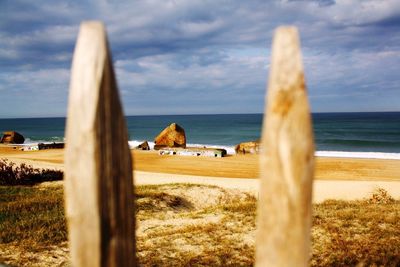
{"x": 197, "y": 225}
{"x": 364, "y": 233}
{"x": 32, "y": 225}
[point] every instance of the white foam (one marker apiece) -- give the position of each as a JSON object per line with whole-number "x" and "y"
{"x": 29, "y": 142}
{"x": 54, "y": 139}
{"x": 361, "y": 155}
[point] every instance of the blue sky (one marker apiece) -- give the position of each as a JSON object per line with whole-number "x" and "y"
{"x": 196, "y": 57}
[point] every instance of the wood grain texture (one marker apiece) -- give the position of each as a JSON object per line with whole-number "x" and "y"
{"x": 98, "y": 172}
{"x": 286, "y": 160}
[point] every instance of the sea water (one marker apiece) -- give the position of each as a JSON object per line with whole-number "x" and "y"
{"x": 366, "y": 135}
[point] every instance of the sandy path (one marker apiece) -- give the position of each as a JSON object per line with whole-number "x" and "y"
{"x": 323, "y": 189}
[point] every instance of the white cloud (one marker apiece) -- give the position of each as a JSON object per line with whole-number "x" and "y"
{"x": 51, "y": 34}
{"x": 202, "y": 51}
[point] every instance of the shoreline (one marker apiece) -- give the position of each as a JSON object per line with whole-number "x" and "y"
{"x": 233, "y": 166}
{"x": 231, "y": 150}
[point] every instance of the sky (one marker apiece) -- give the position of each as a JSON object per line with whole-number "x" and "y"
{"x": 202, "y": 57}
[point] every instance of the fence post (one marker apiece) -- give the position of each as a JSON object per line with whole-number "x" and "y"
{"x": 286, "y": 160}
{"x": 98, "y": 173}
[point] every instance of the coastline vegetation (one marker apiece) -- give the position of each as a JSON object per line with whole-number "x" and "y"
{"x": 186, "y": 224}
{"x": 23, "y": 174}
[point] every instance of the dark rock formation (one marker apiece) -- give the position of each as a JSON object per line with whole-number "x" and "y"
{"x": 252, "y": 147}
{"x": 172, "y": 136}
{"x": 12, "y": 137}
{"x": 143, "y": 146}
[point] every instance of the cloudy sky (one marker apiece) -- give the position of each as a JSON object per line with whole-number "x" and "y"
{"x": 197, "y": 57}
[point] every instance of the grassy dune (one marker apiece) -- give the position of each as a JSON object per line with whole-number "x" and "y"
{"x": 189, "y": 225}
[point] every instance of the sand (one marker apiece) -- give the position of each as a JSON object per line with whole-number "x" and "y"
{"x": 335, "y": 178}
{"x": 246, "y": 166}
{"x": 322, "y": 189}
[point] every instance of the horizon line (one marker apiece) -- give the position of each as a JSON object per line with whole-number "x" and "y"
{"x": 201, "y": 114}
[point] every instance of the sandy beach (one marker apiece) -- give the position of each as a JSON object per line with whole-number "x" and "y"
{"x": 232, "y": 166}
{"x": 339, "y": 178}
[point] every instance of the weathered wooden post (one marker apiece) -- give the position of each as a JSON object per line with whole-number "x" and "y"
{"x": 98, "y": 173}
{"x": 286, "y": 161}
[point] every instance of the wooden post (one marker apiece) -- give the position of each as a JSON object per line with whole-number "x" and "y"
{"x": 98, "y": 173}
{"x": 286, "y": 160}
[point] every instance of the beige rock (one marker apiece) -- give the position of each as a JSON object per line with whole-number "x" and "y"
{"x": 143, "y": 146}
{"x": 172, "y": 136}
{"x": 252, "y": 147}
{"x": 12, "y": 137}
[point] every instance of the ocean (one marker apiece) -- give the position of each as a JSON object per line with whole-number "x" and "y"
{"x": 366, "y": 135}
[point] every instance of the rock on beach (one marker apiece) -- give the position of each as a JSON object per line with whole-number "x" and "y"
{"x": 252, "y": 147}
{"x": 171, "y": 136}
{"x": 12, "y": 137}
